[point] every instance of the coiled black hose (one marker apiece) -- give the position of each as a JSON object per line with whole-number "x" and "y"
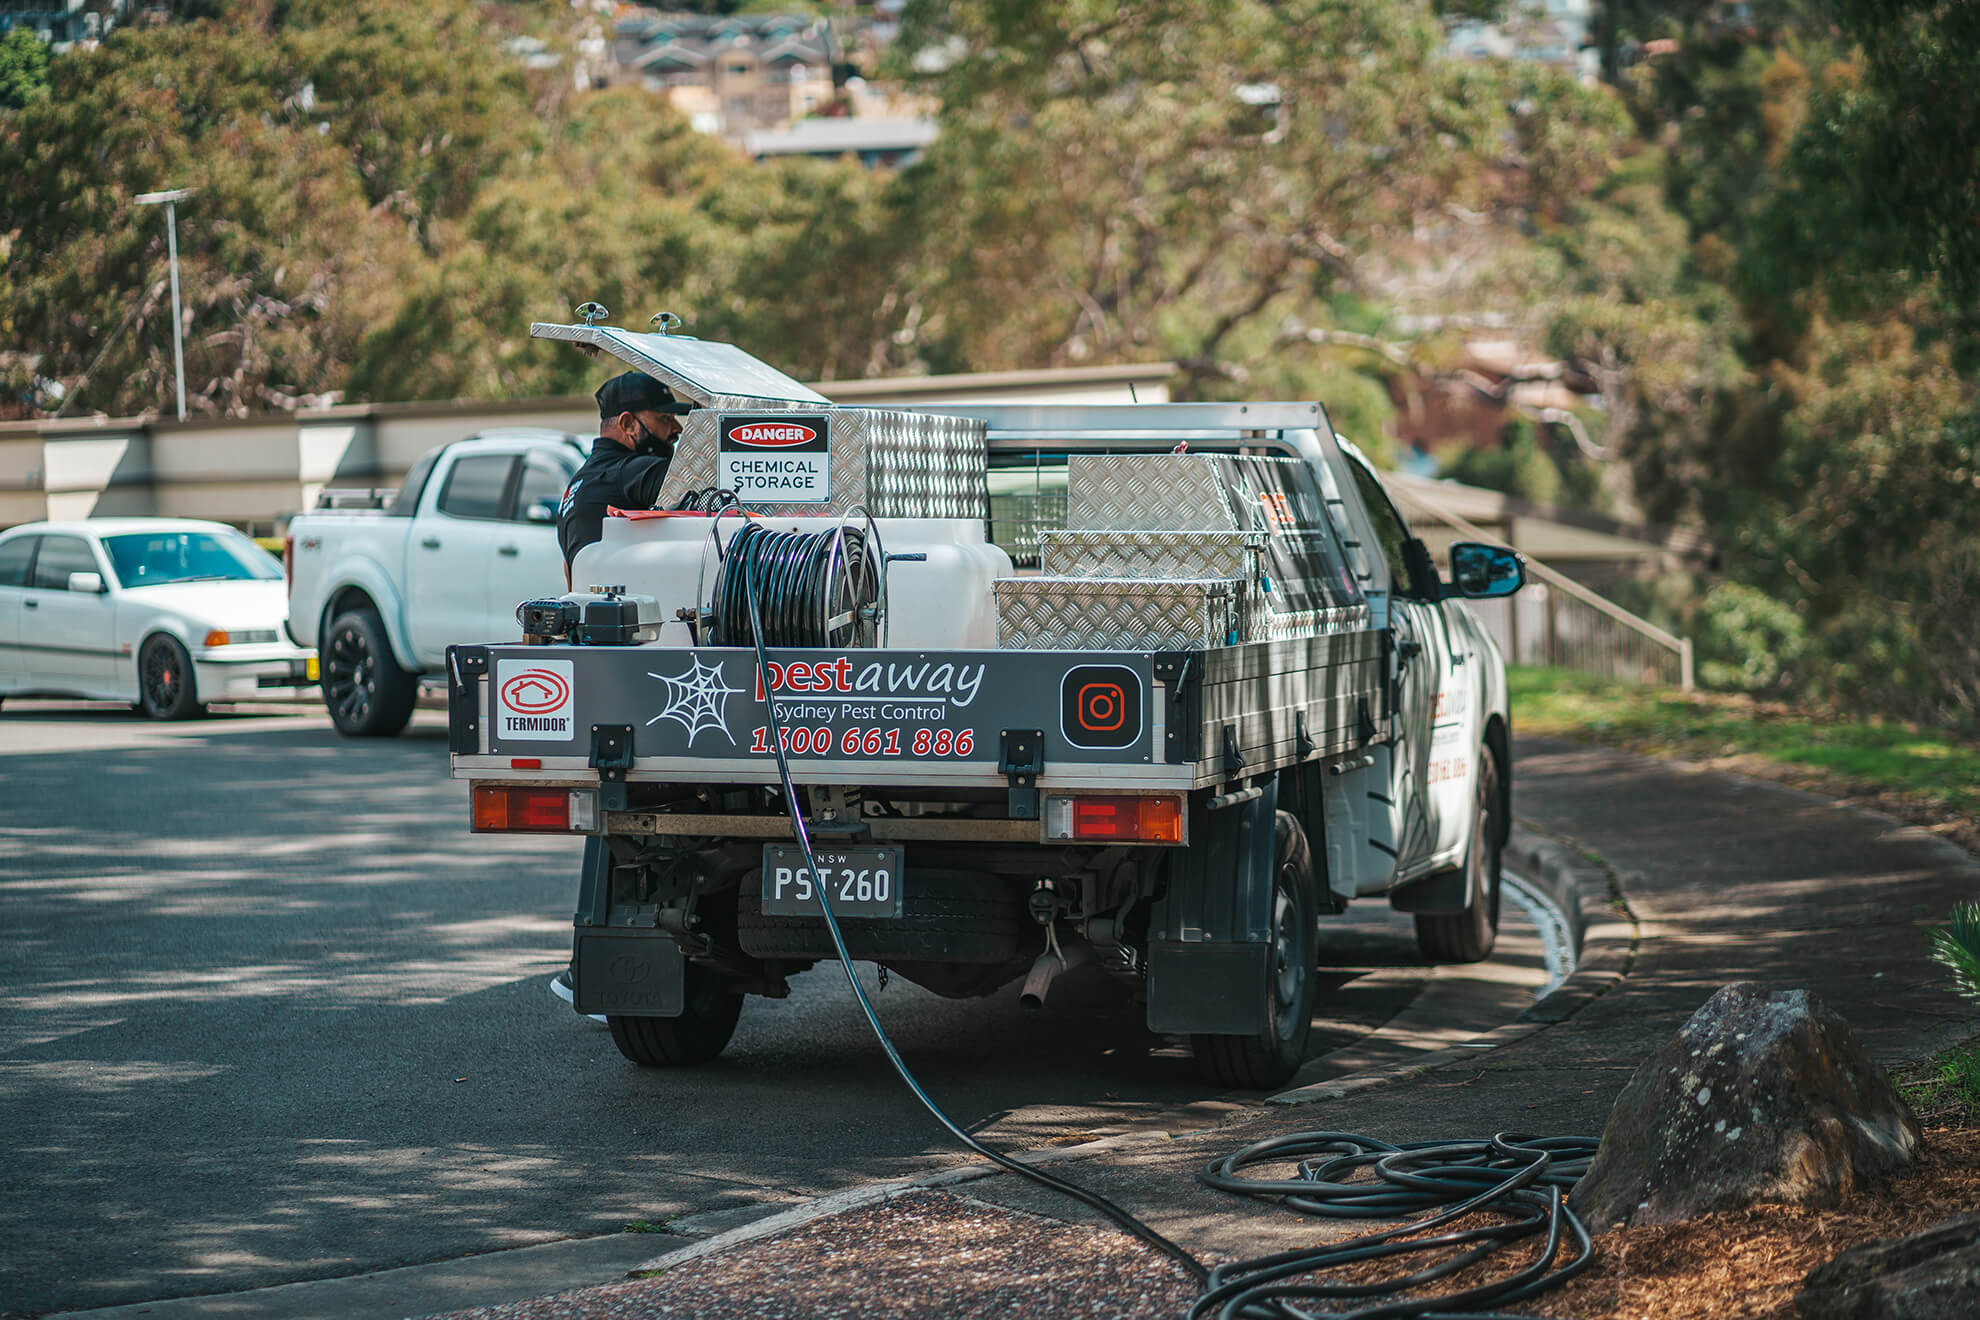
{"x": 709, "y": 499}
{"x": 814, "y": 589}
{"x": 1519, "y": 1181}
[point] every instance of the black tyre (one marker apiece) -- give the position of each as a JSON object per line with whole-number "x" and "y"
{"x": 367, "y": 694}
{"x": 1272, "y": 1056}
{"x": 700, "y": 1033}
{"x": 165, "y": 680}
{"x": 1468, "y": 936}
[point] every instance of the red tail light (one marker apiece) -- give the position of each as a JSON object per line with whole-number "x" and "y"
{"x": 1115, "y": 818}
{"x": 500, "y": 808}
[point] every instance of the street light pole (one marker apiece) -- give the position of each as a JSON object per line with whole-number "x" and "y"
{"x": 171, "y": 200}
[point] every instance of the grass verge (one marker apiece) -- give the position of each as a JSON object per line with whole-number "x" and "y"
{"x": 1945, "y": 1089}
{"x": 1921, "y": 775}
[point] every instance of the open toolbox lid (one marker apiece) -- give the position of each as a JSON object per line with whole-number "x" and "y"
{"x": 711, "y": 374}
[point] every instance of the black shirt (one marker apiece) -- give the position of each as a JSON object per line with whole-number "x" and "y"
{"x": 613, "y": 477}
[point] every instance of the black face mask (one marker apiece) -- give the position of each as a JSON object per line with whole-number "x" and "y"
{"x": 651, "y": 444}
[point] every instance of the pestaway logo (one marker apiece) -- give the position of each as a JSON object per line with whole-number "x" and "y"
{"x": 534, "y": 701}
{"x": 773, "y": 435}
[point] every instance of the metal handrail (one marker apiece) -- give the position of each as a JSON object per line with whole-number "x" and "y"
{"x": 1680, "y": 646}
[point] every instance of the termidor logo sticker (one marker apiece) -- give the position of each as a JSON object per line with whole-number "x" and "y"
{"x": 534, "y": 701}
{"x": 776, "y": 459}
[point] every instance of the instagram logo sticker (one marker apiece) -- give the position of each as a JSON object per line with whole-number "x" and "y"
{"x": 1100, "y": 706}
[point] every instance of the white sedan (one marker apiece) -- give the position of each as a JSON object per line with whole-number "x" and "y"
{"x": 166, "y": 613}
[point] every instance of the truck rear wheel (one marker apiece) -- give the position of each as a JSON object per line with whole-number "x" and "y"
{"x": 1273, "y": 1055}
{"x": 367, "y": 694}
{"x": 701, "y": 1032}
{"x": 1468, "y": 936}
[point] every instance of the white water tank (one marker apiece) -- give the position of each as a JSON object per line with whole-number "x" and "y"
{"x": 945, "y": 601}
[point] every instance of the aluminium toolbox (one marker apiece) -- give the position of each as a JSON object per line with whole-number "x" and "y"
{"x": 1118, "y": 614}
{"x": 1160, "y": 555}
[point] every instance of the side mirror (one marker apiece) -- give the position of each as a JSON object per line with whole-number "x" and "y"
{"x": 1482, "y": 572}
{"x": 89, "y": 584}
{"x": 543, "y": 511}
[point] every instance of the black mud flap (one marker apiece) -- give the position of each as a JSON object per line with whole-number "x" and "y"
{"x": 1210, "y": 951}
{"x": 626, "y": 975}
{"x": 1213, "y": 989}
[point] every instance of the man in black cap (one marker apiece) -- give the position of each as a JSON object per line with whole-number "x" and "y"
{"x": 638, "y": 420}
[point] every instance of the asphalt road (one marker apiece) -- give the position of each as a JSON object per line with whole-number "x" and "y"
{"x": 268, "y": 1012}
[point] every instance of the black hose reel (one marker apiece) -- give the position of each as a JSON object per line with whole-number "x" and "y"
{"x": 819, "y": 589}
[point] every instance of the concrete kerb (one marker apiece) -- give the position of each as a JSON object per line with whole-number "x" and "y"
{"x": 1590, "y": 897}
{"x": 1587, "y": 893}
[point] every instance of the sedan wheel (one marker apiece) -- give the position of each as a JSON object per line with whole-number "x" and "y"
{"x": 165, "y": 680}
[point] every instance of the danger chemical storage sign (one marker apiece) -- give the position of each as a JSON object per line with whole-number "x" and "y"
{"x": 778, "y": 458}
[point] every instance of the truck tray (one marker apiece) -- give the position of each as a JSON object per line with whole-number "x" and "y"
{"x": 1176, "y": 719}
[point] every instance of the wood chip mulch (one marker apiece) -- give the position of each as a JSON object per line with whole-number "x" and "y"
{"x": 1748, "y": 1264}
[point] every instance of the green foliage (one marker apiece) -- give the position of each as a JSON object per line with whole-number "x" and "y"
{"x": 1144, "y": 179}
{"x": 1956, "y": 946}
{"x": 323, "y": 158}
{"x": 1946, "y": 1087}
{"x": 1746, "y": 641}
{"x": 1868, "y": 514}
{"x": 1883, "y": 179}
{"x": 1938, "y": 769}
{"x": 1518, "y": 466}
{"x": 23, "y": 68}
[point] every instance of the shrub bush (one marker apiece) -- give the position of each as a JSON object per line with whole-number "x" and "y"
{"x": 1747, "y": 641}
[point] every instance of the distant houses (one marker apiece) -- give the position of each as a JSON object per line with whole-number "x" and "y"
{"x": 775, "y": 84}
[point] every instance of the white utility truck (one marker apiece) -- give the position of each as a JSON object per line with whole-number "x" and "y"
{"x": 1233, "y": 696}
{"x": 382, "y": 591}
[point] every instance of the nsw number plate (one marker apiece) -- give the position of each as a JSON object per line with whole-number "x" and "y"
{"x": 862, "y": 882}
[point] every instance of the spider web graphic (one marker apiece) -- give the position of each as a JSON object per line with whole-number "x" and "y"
{"x": 697, "y": 700}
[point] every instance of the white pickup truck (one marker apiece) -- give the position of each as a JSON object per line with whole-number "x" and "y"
{"x": 1235, "y": 696}
{"x": 382, "y": 593}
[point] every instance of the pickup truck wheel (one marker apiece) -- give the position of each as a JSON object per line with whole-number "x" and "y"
{"x": 1468, "y": 936}
{"x": 1272, "y": 1056}
{"x": 368, "y": 695}
{"x": 165, "y": 680}
{"x": 700, "y": 1033}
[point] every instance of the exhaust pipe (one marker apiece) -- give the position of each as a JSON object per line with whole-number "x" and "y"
{"x": 1046, "y": 970}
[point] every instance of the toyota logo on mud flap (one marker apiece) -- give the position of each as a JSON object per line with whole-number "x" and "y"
{"x": 628, "y": 970}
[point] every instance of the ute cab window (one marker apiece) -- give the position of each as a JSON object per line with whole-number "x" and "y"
{"x": 477, "y": 486}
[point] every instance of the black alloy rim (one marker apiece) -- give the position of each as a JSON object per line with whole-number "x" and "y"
{"x": 1485, "y": 851}
{"x": 1286, "y": 974}
{"x": 349, "y": 675}
{"x": 162, "y": 679}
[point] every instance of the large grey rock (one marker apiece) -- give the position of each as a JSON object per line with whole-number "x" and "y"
{"x": 1930, "y": 1275}
{"x": 1764, "y": 1095}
